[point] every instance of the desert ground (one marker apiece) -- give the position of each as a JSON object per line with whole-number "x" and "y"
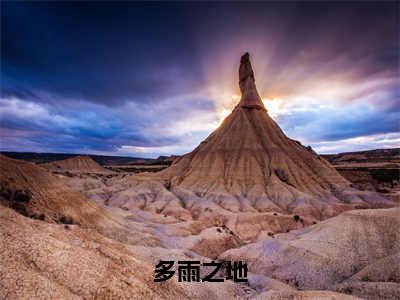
{"x": 307, "y": 226}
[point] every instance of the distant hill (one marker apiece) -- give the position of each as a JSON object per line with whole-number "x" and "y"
{"x": 76, "y": 164}
{"x": 371, "y": 156}
{"x": 377, "y": 155}
{"x": 375, "y": 170}
{"x": 103, "y": 160}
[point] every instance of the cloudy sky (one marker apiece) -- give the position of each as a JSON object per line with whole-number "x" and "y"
{"x": 153, "y": 79}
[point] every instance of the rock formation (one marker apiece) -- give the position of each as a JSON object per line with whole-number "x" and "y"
{"x": 247, "y": 175}
{"x": 78, "y": 164}
{"x": 249, "y": 161}
{"x": 247, "y": 84}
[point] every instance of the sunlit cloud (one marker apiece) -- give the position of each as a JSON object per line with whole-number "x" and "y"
{"x": 274, "y": 106}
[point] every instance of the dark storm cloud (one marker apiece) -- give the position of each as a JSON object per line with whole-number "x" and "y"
{"x": 99, "y": 52}
{"x": 110, "y": 53}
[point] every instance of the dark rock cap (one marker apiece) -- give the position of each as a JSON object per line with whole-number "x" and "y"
{"x": 250, "y": 97}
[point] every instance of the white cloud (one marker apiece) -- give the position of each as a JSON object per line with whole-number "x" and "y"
{"x": 32, "y": 112}
{"x": 154, "y": 151}
{"x": 377, "y": 141}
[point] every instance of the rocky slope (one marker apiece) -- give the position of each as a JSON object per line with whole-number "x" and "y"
{"x": 56, "y": 244}
{"x": 46, "y": 261}
{"x": 36, "y": 193}
{"x": 356, "y": 252}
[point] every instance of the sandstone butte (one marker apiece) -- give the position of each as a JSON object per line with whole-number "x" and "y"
{"x": 248, "y": 164}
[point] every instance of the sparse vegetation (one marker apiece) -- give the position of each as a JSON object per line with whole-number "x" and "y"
{"x": 41, "y": 217}
{"x": 199, "y": 194}
{"x": 17, "y": 199}
{"x": 347, "y": 290}
{"x": 282, "y": 175}
{"x": 20, "y": 208}
{"x": 22, "y": 196}
{"x": 168, "y": 185}
{"x": 65, "y": 220}
{"x": 365, "y": 277}
{"x": 69, "y": 174}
